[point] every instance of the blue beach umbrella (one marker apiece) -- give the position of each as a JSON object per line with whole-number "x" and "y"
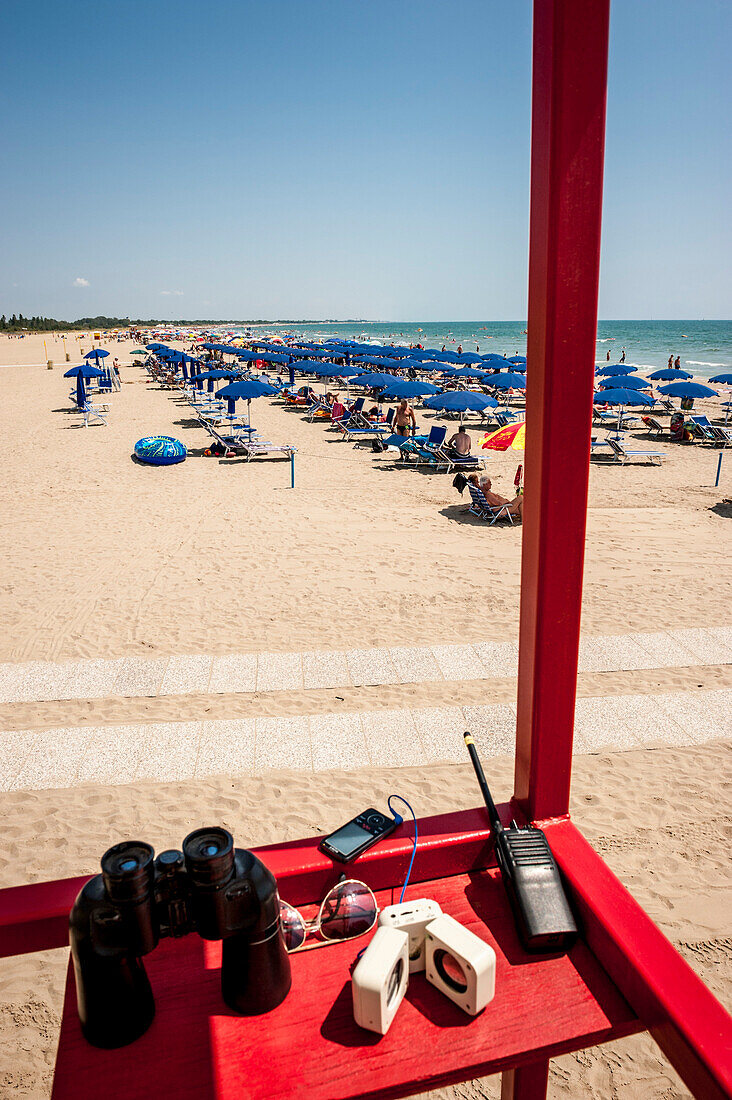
{"x": 216, "y": 375}
{"x": 687, "y": 389}
{"x": 666, "y": 374}
{"x": 629, "y": 382}
{"x": 470, "y": 357}
{"x": 461, "y": 401}
{"x": 332, "y": 370}
{"x": 86, "y": 370}
{"x": 510, "y": 381}
{"x": 723, "y": 379}
{"x": 97, "y": 354}
{"x": 614, "y": 370}
{"x": 517, "y": 360}
{"x": 376, "y": 381}
{"x": 245, "y": 389}
{"x": 400, "y": 389}
{"x": 620, "y": 398}
{"x": 468, "y": 372}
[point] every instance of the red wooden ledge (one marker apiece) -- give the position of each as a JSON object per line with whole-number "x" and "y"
{"x": 310, "y": 1045}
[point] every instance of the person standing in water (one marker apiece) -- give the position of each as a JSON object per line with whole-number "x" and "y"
{"x": 460, "y": 349}
{"x": 677, "y": 362}
{"x": 622, "y": 357}
{"x": 670, "y": 361}
{"x": 607, "y": 357}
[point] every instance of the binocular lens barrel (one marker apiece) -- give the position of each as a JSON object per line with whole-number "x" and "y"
{"x": 209, "y": 856}
{"x": 127, "y": 871}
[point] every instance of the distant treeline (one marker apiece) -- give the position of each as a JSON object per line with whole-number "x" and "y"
{"x": 19, "y": 323}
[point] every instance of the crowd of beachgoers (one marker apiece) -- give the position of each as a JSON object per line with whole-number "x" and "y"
{"x": 373, "y": 396}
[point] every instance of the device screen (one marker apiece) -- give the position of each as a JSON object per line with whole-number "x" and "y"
{"x": 348, "y": 839}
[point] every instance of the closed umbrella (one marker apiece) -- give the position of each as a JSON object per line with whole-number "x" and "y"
{"x": 86, "y": 370}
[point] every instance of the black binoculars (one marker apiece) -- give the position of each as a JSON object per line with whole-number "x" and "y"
{"x": 221, "y": 892}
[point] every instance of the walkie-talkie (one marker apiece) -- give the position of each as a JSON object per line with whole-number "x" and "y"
{"x": 530, "y": 874}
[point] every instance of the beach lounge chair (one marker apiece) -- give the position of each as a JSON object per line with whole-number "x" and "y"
{"x": 480, "y": 507}
{"x": 664, "y": 405}
{"x": 94, "y": 414}
{"x": 703, "y": 431}
{"x": 248, "y": 443}
{"x": 654, "y": 428}
{"x": 352, "y": 428}
{"x": 463, "y": 462}
{"x": 429, "y": 452}
{"x": 623, "y": 454}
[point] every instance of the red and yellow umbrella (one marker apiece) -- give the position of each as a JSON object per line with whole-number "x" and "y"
{"x": 513, "y": 436}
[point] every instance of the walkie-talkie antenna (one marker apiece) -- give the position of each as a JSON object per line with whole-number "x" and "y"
{"x": 495, "y": 820}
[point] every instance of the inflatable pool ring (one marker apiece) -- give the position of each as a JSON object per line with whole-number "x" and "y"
{"x": 160, "y": 450}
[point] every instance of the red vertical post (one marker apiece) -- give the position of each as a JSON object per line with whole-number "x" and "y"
{"x": 526, "y": 1082}
{"x": 567, "y": 148}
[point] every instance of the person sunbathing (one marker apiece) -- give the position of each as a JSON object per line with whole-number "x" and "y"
{"x": 460, "y": 444}
{"x": 515, "y": 507}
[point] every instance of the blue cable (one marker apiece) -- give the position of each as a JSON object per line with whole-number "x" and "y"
{"x": 398, "y": 818}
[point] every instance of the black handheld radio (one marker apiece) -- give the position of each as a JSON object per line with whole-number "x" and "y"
{"x": 530, "y": 874}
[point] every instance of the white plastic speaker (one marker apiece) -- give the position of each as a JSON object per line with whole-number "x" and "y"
{"x": 380, "y": 980}
{"x": 459, "y": 964}
{"x": 411, "y": 917}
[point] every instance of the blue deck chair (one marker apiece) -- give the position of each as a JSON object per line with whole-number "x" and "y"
{"x": 481, "y": 508}
{"x": 622, "y": 454}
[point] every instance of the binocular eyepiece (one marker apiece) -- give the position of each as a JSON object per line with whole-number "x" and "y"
{"x": 222, "y": 892}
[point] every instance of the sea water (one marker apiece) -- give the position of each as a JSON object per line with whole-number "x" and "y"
{"x": 704, "y": 347}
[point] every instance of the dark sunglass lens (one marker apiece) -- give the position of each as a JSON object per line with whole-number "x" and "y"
{"x": 349, "y": 910}
{"x": 293, "y": 928}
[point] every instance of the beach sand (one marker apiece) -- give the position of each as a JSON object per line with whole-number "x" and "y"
{"x": 107, "y": 558}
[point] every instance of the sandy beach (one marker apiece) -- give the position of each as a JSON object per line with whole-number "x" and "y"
{"x": 106, "y": 559}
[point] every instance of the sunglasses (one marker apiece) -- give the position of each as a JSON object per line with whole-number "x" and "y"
{"x": 348, "y": 910}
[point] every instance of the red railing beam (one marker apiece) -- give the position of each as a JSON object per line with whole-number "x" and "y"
{"x": 689, "y": 1024}
{"x": 567, "y": 144}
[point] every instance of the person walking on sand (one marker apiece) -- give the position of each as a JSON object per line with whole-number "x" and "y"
{"x": 404, "y": 419}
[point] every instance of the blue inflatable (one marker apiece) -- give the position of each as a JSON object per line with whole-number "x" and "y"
{"x": 160, "y": 450}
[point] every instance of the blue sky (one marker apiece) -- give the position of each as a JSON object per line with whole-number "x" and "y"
{"x": 328, "y": 158}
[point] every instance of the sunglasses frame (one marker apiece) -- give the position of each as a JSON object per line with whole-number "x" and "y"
{"x": 315, "y": 925}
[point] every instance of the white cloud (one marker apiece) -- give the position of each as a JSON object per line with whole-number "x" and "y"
{"x": 176, "y": 293}
{"x": 81, "y": 282}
